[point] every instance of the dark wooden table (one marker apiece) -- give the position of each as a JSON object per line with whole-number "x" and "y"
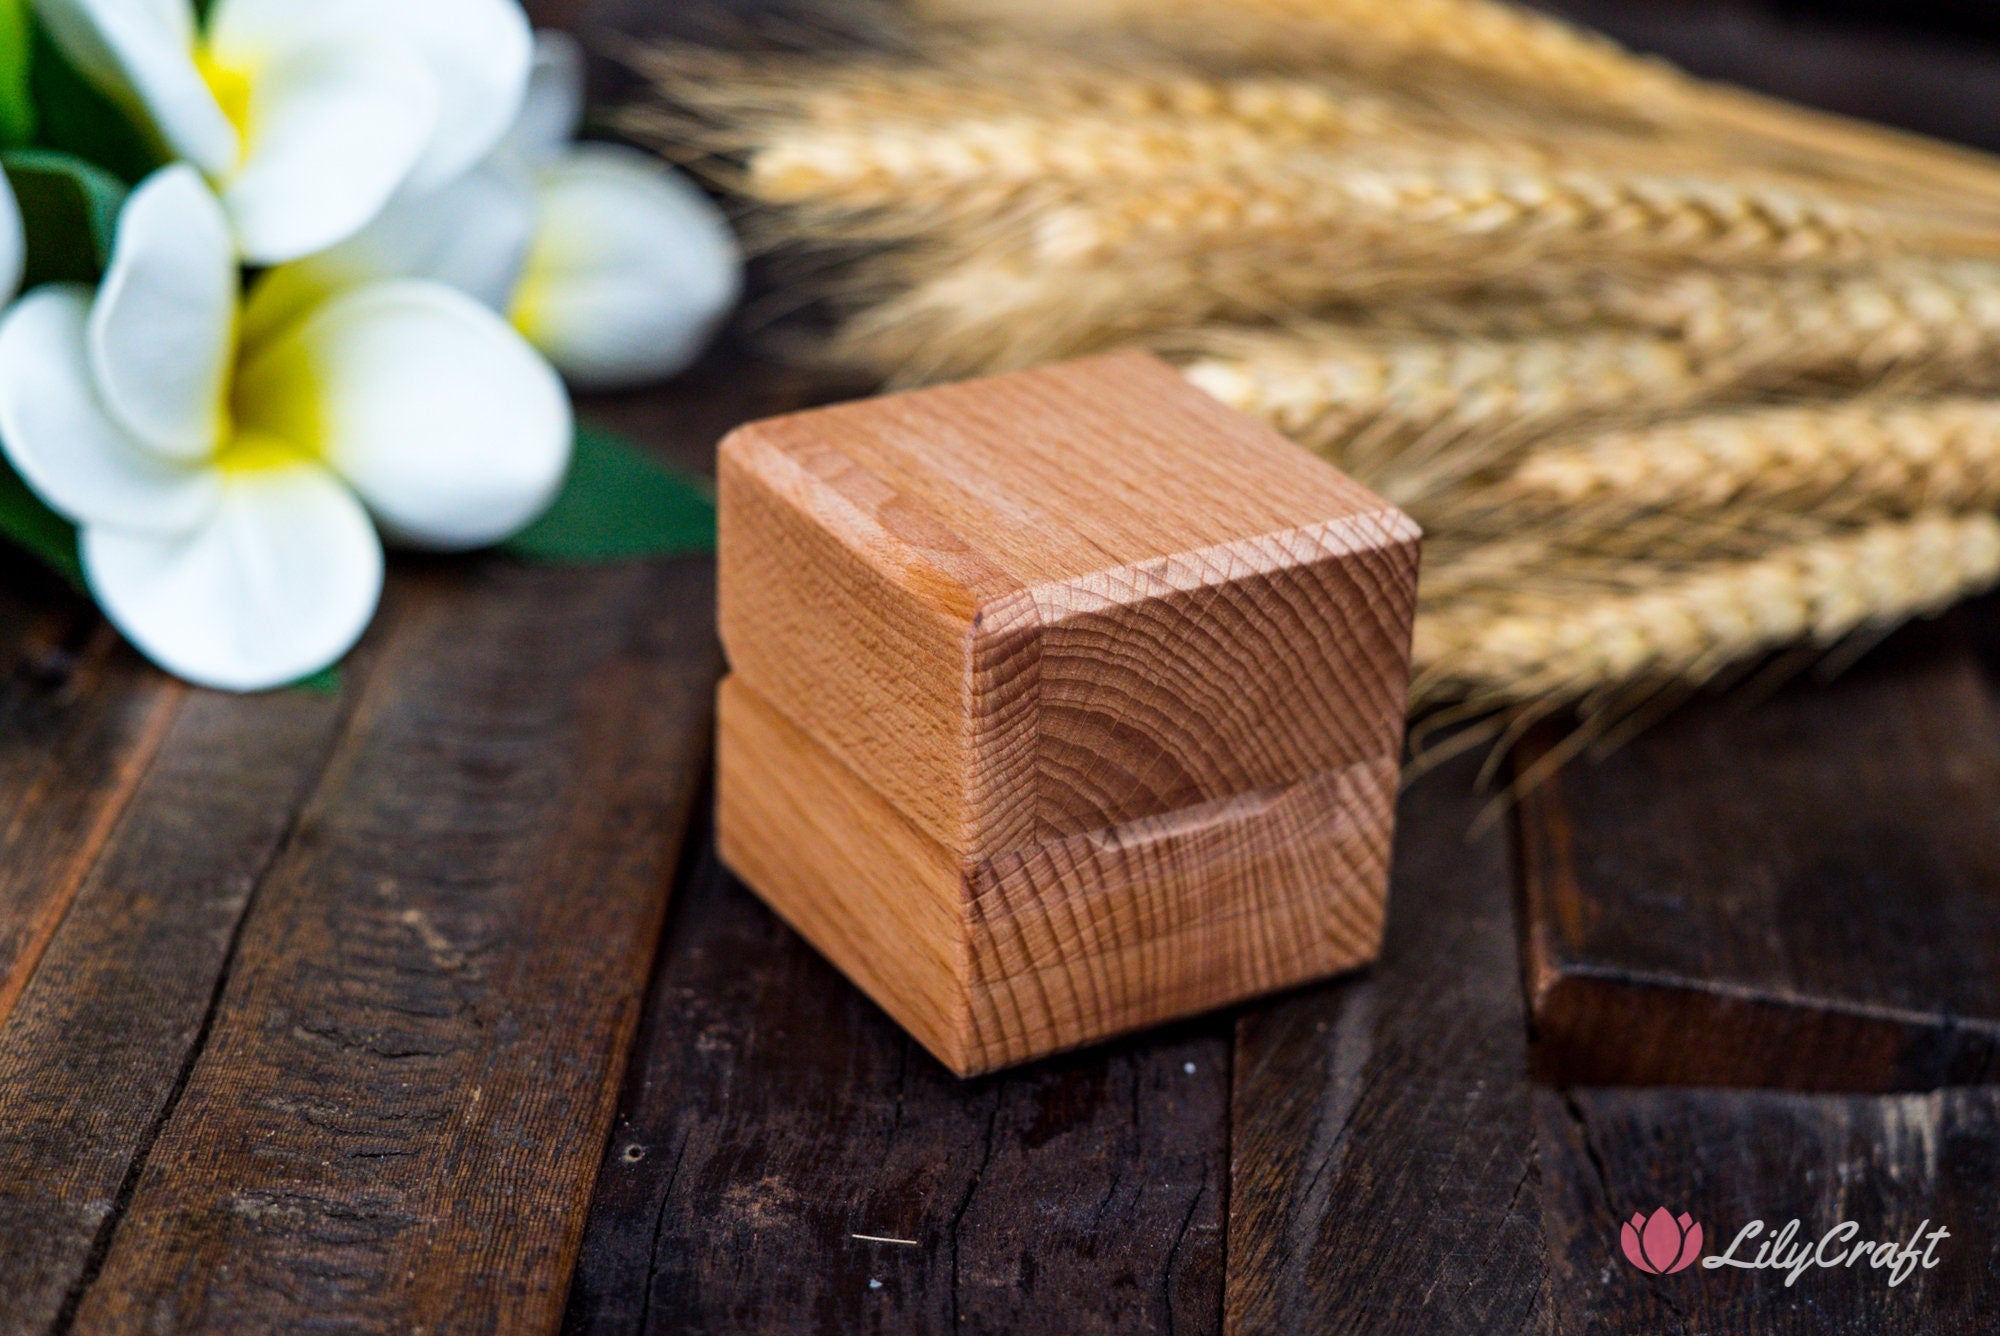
{"x": 372, "y": 1011}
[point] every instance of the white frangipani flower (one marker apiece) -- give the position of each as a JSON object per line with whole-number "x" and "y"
{"x": 614, "y": 265}
{"x": 307, "y": 115}
{"x": 224, "y": 487}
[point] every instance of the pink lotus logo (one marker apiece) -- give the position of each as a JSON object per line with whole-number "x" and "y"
{"x": 1659, "y": 1243}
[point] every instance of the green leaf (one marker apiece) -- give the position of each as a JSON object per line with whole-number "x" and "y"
{"x": 77, "y": 118}
{"x": 619, "y": 503}
{"x": 28, "y": 523}
{"x": 70, "y": 210}
{"x": 17, "y": 101}
{"x": 325, "y": 682}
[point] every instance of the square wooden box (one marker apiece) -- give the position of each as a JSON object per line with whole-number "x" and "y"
{"x": 1062, "y": 703}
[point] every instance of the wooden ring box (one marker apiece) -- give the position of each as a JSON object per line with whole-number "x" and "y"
{"x": 1061, "y": 703}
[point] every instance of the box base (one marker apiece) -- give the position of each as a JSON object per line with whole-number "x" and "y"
{"x": 1001, "y": 960}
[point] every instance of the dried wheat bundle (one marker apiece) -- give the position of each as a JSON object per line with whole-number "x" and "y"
{"x": 1537, "y": 290}
{"x": 1530, "y": 645}
{"x": 1874, "y": 455}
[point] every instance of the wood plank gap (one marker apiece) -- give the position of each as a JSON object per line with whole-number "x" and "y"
{"x": 354, "y": 677}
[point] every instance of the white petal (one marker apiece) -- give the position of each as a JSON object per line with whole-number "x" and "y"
{"x": 552, "y": 112}
{"x": 480, "y": 51}
{"x": 163, "y": 327}
{"x": 476, "y": 51}
{"x": 334, "y": 129}
{"x": 472, "y": 234}
{"x": 61, "y": 439}
{"x": 632, "y": 270}
{"x": 446, "y": 422}
{"x": 141, "y": 53}
{"x": 278, "y": 584}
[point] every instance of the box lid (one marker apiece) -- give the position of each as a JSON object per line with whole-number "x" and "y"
{"x": 1063, "y": 600}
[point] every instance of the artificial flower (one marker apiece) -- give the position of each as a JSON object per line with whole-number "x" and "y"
{"x": 307, "y": 115}
{"x": 224, "y": 489}
{"x": 617, "y": 267}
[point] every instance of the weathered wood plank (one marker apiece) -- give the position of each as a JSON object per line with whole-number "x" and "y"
{"x": 786, "y": 1159}
{"x": 80, "y": 718}
{"x": 1889, "y": 1164}
{"x": 1383, "y": 1170}
{"x": 91, "y": 1057}
{"x": 396, "y": 1117}
{"x": 1802, "y": 894}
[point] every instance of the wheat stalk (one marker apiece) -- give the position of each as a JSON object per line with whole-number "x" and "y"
{"x": 1410, "y": 415}
{"x": 1471, "y": 212}
{"x": 982, "y": 163}
{"x": 1534, "y": 646}
{"x": 1922, "y": 319}
{"x": 1869, "y": 456}
{"x": 941, "y": 80}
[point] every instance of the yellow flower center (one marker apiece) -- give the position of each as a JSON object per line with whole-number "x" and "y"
{"x": 230, "y": 83}
{"x": 275, "y": 408}
{"x": 249, "y": 454}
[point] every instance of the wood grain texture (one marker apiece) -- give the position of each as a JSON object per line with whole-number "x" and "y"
{"x": 398, "y": 1109}
{"x": 1383, "y": 1170}
{"x": 1803, "y": 894}
{"x": 1118, "y": 673}
{"x": 785, "y": 1159}
{"x": 1890, "y": 1164}
{"x": 91, "y": 1058}
{"x": 997, "y": 961}
{"x": 80, "y": 719}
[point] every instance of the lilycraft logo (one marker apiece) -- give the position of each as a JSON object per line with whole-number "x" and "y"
{"x": 1662, "y": 1243}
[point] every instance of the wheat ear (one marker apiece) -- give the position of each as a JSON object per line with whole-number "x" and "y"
{"x": 1410, "y": 415}
{"x": 1530, "y": 646}
{"x": 1867, "y": 456}
{"x": 1930, "y": 321}
{"x": 1481, "y": 215}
